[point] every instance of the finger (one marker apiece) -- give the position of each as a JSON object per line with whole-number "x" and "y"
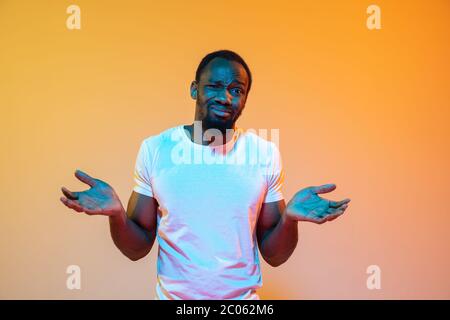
{"x": 336, "y": 204}
{"x": 320, "y": 221}
{"x": 64, "y": 201}
{"x": 69, "y": 194}
{"x": 79, "y": 208}
{"x": 335, "y": 213}
{"x": 317, "y": 221}
{"x": 84, "y": 177}
{"x": 72, "y": 204}
{"x": 93, "y": 211}
{"x": 336, "y": 210}
{"x": 324, "y": 188}
{"x": 331, "y": 217}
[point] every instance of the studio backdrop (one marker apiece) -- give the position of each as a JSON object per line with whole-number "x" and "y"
{"x": 359, "y": 91}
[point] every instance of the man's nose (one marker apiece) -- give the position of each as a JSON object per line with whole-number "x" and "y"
{"x": 224, "y": 97}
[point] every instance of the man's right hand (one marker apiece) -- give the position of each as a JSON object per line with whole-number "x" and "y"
{"x": 100, "y": 199}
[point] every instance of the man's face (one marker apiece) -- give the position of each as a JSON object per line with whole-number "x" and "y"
{"x": 220, "y": 93}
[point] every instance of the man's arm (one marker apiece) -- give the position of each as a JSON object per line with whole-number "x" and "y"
{"x": 277, "y": 234}
{"x": 277, "y": 230}
{"x": 134, "y": 232}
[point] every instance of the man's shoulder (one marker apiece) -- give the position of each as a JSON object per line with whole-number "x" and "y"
{"x": 164, "y": 137}
{"x": 258, "y": 139}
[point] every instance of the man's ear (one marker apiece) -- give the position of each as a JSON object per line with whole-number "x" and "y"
{"x": 194, "y": 90}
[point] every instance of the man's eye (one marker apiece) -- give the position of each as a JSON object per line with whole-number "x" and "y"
{"x": 237, "y": 90}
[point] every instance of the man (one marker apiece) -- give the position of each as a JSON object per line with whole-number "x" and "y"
{"x": 210, "y": 212}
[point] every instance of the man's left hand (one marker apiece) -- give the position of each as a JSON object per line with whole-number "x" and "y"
{"x": 306, "y": 205}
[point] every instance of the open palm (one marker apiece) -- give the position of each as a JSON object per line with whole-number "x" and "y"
{"x": 99, "y": 199}
{"x": 306, "y": 205}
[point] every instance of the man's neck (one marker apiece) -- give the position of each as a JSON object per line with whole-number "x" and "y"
{"x": 201, "y": 134}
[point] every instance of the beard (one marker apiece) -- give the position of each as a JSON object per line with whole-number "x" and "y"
{"x": 212, "y": 120}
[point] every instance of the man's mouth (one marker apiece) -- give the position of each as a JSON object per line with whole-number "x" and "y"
{"x": 221, "y": 111}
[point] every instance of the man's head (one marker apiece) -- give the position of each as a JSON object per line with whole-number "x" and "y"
{"x": 220, "y": 88}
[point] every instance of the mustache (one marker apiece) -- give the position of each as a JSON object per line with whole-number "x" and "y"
{"x": 225, "y": 107}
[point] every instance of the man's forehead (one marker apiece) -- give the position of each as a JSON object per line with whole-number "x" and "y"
{"x": 221, "y": 69}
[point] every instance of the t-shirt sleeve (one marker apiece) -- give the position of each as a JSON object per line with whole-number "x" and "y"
{"x": 275, "y": 176}
{"x": 142, "y": 171}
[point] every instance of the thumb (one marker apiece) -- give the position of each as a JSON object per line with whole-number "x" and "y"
{"x": 324, "y": 188}
{"x": 84, "y": 177}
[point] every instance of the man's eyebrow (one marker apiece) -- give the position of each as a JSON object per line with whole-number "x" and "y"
{"x": 240, "y": 82}
{"x": 221, "y": 82}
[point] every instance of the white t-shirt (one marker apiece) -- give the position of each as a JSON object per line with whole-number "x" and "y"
{"x": 209, "y": 201}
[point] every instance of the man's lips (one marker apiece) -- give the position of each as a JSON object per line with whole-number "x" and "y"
{"x": 221, "y": 111}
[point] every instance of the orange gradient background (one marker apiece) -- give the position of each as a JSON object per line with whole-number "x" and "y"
{"x": 365, "y": 109}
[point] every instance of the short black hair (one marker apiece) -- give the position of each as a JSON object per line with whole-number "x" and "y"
{"x": 227, "y": 55}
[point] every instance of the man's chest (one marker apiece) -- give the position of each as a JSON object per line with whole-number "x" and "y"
{"x": 214, "y": 187}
